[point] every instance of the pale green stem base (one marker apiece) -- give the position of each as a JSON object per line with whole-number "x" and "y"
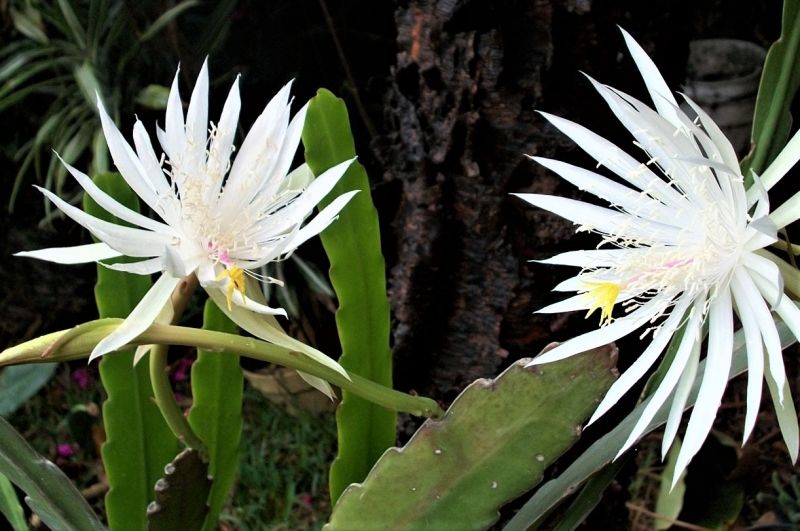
{"x": 157, "y": 334}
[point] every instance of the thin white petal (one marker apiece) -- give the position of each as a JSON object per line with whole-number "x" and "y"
{"x": 786, "y": 159}
{"x": 715, "y": 378}
{"x": 141, "y": 317}
{"x": 602, "y": 336}
{"x": 142, "y": 267}
{"x": 645, "y": 360}
{"x": 321, "y": 221}
{"x": 680, "y": 398}
{"x": 755, "y": 350}
{"x": 656, "y": 86}
{"x": 197, "y": 116}
{"x": 786, "y": 413}
{"x": 174, "y": 128}
{"x": 79, "y": 254}
{"x": 691, "y": 337}
{"x": 319, "y": 384}
{"x": 126, "y": 240}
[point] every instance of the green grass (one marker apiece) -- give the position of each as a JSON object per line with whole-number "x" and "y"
{"x": 283, "y": 468}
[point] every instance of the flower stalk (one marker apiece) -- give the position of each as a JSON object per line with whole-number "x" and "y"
{"x": 160, "y": 334}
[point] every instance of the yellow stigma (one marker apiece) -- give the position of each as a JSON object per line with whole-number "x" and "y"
{"x": 603, "y": 296}
{"x": 237, "y": 282}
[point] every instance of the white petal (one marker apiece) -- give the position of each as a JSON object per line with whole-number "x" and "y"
{"x": 643, "y": 363}
{"x": 288, "y": 149}
{"x": 605, "y": 220}
{"x": 140, "y": 318}
{"x": 321, "y": 221}
{"x": 197, "y": 117}
{"x": 726, "y": 151}
{"x": 297, "y": 211}
{"x": 319, "y": 384}
{"x": 786, "y": 159}
{"x": 174, "y": 128}
{"x": 760, "y": 233}
{"x": 127, "y": 162}
{"x": 297, "y": 180}
{"x": 616, "y": 160}
{"x": 221, "y": 145}
{"x": 769, "y": 271}
{"x": 759, "y": 315}
{"x": 112, "y": 206}
{"x": 150, "y": 162}
{"x": 79, "y": 254}
{"x": 691, "y": 338}
{"x": 786, "y": 413}
{"x": 656, "y": 86}
{"x": 142, "y": 267}
{"x": 594, "y": 257}
{"x": 680, "y": 398}
{"x": 602, "y": 336}
{"x": 126, "y": 240}
{"x": 267, "y": 328}
{"x": 715, "y": 378}
{"x": 633, "y": 201}
{"x": 755, "y": 350}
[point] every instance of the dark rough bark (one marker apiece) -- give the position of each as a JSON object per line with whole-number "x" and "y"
{"x": 460, "y": 115}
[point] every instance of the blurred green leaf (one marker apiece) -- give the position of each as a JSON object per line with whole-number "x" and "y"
{"x": 166, "y": 17}
{"x": 780, "y": 80}
{"x": 29, "y": 23}
{"x": 670, "y": 500}
{"x": 50, "y": 494}
{"x": 78, "y": 34}
{"x": 20, "y": 382}
{"x": 358, "y": 276}
{"x": 153, "y": 97}
{"x": 10, "y": 505}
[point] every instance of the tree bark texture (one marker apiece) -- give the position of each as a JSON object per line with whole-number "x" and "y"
{"x": 460, "y": 114}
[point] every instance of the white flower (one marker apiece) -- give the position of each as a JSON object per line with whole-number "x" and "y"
{"x": 221, "y": 219}
{"x": 685, "y": 244}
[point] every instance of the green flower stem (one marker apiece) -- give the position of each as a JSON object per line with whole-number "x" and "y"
{"x": 763, "y": 143}
{"x": 79, "y": 346}
{"x": 165, "y": 400}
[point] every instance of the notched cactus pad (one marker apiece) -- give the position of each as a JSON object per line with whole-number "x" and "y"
{"x": 492, "y": 445}
{"x": 181, "y": 495}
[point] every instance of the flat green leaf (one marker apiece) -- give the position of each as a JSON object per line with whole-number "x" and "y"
{"x": 20, "y": 382}
{"x": 138, "y": 441}
{"x": 10, "y": 505}
{"x": 181, "y": 495}
{"x": 780, "y": 80}
{"x": 216, "y": 413}
{"x": 29, "y": 23}
{"x": 49, "y": 493}
{"x": 602, "y": 452}
{"x": 670, "y": 500}
{"x": 492, "y": 445}
{"x": 75, "y": 28}
{"x": 358, "y": 277}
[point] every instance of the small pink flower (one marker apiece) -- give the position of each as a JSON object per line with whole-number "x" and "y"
{"x": 182, "y": 369}
{"x": 65, "y": 450}
{"x": 82, "y": 378}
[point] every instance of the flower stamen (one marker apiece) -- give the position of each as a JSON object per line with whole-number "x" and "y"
{"x": 236, "y": 281}
{"x": 603, "y": 296}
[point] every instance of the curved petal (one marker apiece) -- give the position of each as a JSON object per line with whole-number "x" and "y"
{"x": 141, "y": 317}
{"x": 715, "y": 378}
{"x": 646, "y": 359}
{"x": 78, "y": 254}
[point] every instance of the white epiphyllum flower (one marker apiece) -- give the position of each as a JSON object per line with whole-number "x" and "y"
{"x": 683, "y": 247}
{"x": 220, "y": 218}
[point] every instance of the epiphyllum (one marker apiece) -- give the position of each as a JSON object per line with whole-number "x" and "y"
{"x": 220, "y": 219}
{"x": 682, "y": 246}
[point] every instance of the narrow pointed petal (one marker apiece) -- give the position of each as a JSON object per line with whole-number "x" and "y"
{"x": 126, "y": 240}
{"x": 140, "y": 318}
{"x": 659, "y": 91}
{"x": 174, "y": 128}
{"x": 79, "y": 254}
{"x": 691, "y": 337}
{"x": 197, "y": 116}
{"x": 645, "y": 360}
{"x": 142, "y": 267}
{"x": 786, "y": 413}
{"x": 321, "y": 221}
{"x": 602, "y": 336}
{"x": 715, "y": 378}
{"x": 755, "y": 351}
{"x": 786, "y": 160}
{"x": 319, "y": 384}
{"x": 680, "y": 399}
